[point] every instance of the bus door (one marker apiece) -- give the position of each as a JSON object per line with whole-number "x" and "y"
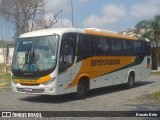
{"x": 66, "y": 61}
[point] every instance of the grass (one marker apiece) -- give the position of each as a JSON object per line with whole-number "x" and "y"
{"x": 2, "y": 66}
{"x": 5, "y": 78}
{"x": 155, "y": 73}
{"x": 156, "y": 95}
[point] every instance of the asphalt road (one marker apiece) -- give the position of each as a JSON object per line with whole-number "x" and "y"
{"x": 114, "y": 98}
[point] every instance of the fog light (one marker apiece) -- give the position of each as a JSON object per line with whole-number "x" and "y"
{"x": 49, "y": 82}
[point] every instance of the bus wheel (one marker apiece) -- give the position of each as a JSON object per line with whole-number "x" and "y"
{"x": 81, "y": 89}
{"x": 130, "y": 81}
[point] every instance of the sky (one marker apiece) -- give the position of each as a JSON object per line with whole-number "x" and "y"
{"x": 114, "y": 15}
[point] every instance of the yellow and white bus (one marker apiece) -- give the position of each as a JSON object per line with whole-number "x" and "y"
{"x": 66, "y": 60}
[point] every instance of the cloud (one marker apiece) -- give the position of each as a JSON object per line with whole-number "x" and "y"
{"x": 110, "y": 14}
{"x": 56, "y": 5}
{"x": 145, "y": 10}
{"x": 63, "y": 23}
{"x": 48, "y": 16}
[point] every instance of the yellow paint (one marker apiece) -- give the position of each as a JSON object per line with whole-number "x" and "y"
{"x": 36, "y": 81}
{"x": 94, "y": 71}
{"x": 107, "y": 34}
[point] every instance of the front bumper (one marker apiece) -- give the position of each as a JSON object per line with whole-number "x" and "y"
{"x": 35, "y": 89}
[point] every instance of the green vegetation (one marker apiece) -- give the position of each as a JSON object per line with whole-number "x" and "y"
{"x": 5, "y": 79}
{"x": 5, "y": 76}
{"x": 151, "y": 30}
{"x": 156, "y": 95}
{"x": 2, "y": 66}
{"x": 155, "y": 73}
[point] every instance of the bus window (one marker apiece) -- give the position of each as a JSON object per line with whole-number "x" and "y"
{"x": 148, "y": 49}
{"x": 67, "y": 52}
{"x": 84, "y": 48}
{"x": 116, "y": 46}
{"x": 103, "y": 46}
{"x": 94, "y": 45}
{"x": 143, "y": 48}
{"x": 127, "y": 47}
{"x": 137, "y": 48}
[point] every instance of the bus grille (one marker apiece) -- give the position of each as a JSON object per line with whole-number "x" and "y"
{"x": 33, "y": 90}
{"x": 29, "y": 84}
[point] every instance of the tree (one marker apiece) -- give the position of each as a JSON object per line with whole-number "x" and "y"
{"x": 144, "y": 24}
{"x": 47, "y": 22}
{"x": 22, "y": 14}
{"x": 151, "y": 30}
{"x": 155, "y": 30}
{"x": 155, "y": 36}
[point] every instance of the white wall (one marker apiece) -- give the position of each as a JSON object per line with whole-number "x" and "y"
{"x": 3, "y": 55}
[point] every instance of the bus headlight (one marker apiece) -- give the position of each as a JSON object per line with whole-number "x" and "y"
{"x": 49, "y": 82}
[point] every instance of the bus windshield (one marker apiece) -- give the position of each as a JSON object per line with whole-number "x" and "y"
{"x": 35, "y": 54}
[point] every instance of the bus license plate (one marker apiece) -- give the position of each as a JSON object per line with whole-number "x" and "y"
{"x": 28, "y": 89}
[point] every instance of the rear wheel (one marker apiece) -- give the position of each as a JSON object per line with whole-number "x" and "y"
{"x": 130, "y": 81}
{"x": 81, "y": 89}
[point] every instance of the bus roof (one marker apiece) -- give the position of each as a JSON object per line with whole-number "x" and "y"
{"x": 45, "y": 32}
{"x": 100, "y": 32}
{"x": 89, "y": 31}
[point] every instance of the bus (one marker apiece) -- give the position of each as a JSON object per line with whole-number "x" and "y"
{"x": 72, "y": 60}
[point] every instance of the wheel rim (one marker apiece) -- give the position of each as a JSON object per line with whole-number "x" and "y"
{"x": 80, "y": 89}
{"x": 130, "y": 80}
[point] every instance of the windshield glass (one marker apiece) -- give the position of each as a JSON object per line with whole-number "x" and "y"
{"x": 35, "y": 54}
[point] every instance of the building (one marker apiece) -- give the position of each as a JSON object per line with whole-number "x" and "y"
{"x": 6, "y": 52}
{"x": 130, "y": 32}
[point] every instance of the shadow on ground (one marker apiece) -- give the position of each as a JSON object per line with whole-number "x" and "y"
{"x": 71, "y": 97}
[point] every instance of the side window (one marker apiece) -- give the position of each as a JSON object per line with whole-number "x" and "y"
{"x": 84, "y": 44}
{"x": 116, "y": 46}
{"x": 103, "y": 46}
{"x": 148, "y": 49}
{"x": 127, "y": 47}
{"x": 93, "y": 42}
{"x": 67, "y": 51}
{"x": 137, "y": 47}
{"x": 143, "y": 48}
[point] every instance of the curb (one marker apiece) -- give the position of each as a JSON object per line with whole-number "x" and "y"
{"x": 155, "y": 71}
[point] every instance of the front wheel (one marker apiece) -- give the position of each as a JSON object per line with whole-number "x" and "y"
{"x": 81, "y": 90}
{"x": 130, "y": 81}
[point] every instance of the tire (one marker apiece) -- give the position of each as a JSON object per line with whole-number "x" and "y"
{"x": 130, "y": 81}
{"x": 81, "y": 89}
